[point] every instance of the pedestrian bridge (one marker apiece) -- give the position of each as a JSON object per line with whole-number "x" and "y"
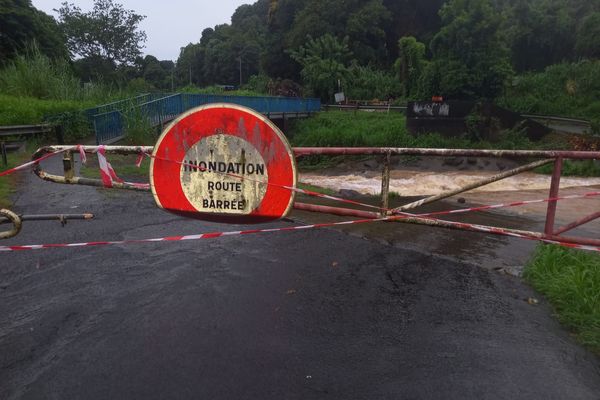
{"x": 109, "y": 120}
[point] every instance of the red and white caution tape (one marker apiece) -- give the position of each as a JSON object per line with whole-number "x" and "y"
{"x": 474, "y": 227}
{"x": 357, "y": 203}
{"x": 513, "y": 204}
{"x": 82, "y": 155}
{"x": 34, "y": 162}
{"x": 22, "y": 167}
{"x": 286, "y": 187}
{"x": 108, "y": 174}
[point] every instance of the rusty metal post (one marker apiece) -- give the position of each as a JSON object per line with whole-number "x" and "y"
{"x": 48, "y": 217}
{"x": 554, "y": 188}
{"x": 3, "y": 151}
{"x": 68, "y": 166}
{"x": 385, "y": 184}
{"x": 577, "y": 223}
{"x": 346, "y": 212}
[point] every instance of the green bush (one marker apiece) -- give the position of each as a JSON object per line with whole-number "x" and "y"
{"x": 595, "y": 125}
{"x": 366, "y": 83}
{"x": 567, "y": 89}
{"x": 258, "y": 84}
{"x": 26, "y": 110}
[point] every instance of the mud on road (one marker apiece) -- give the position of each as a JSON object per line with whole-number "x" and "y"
{"x": 302, "y": 315}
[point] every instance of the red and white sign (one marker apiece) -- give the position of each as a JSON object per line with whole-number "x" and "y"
{"x": 223, "y": 162}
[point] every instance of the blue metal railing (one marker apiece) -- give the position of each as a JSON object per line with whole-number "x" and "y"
{"x": 158, "y": 109}
{"x": 121, "y": 104}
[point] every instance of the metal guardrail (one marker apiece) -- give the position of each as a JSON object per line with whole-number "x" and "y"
{"x": 576, "y": 121}
{"x": 363, "y": 107}
{"x": 120, "y": 104}
{"x": 10, "y": 135}
{"x": 25, "y": 130}
{"x": 109, "y": 126}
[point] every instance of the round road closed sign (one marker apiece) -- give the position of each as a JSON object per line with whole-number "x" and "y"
{"x": 223, "y": 162}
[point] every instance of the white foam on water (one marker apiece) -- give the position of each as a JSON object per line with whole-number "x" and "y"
{"x": 410, "y": 183}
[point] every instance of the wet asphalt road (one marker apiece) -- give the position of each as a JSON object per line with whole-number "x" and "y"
{"x": 305, "y": 315}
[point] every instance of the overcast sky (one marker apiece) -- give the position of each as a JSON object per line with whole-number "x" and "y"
{"x": 169, "y": 24}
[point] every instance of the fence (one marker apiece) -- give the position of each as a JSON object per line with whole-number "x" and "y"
{"x": 109, "y": 125}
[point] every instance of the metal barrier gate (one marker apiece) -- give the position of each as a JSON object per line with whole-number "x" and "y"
{"x": 550, "y": 233}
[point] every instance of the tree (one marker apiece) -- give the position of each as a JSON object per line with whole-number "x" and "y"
{"x": 324, "y": 63}
{"x": 109, "y": 31}
{"x": 275, "y": 59}
{"x": 365, "y": 28}
{"x": 362, "y": 21}
{"x": 588, "y": 42}
{"x": 188, "y": 67}
{"x": 470, "y": 50}
{"x": 410, "y": 64}
{"x": 542, "y": 33}
{"x": 367, "y": 83}
{"x": 21, "y": 24}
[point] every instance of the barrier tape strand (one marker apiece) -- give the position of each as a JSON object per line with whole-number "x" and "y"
{"x": 213, "y": 235}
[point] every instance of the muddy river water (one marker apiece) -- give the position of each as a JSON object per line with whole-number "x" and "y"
{"x": 426, "y": 178}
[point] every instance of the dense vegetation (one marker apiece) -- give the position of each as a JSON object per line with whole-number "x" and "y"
{"x": 369, "y": 49}
{"x": 457, "y": 48}
{"x": 568, "y": 89}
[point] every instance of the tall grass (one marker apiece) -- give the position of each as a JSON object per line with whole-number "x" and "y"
{"x": 137, "y": 127}
{"x": 570, "y": 279}
{"x": 36, "y": 89}
{"x": 33, "y": 74}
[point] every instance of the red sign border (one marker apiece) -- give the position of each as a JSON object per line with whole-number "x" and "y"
{"x": 216, "y": 217}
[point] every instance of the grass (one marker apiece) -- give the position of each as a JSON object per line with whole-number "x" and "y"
{"x": 138, "y": 129}
{"x": 356, "y": 129}
{"x": 8, "y": 182}
{"x": 317, "y": 189}
{"x": 16, "y": 110}
{"x": 124, "y": 166}
{"x": 570, "y": 280}
{"x": 585, "y": 168}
